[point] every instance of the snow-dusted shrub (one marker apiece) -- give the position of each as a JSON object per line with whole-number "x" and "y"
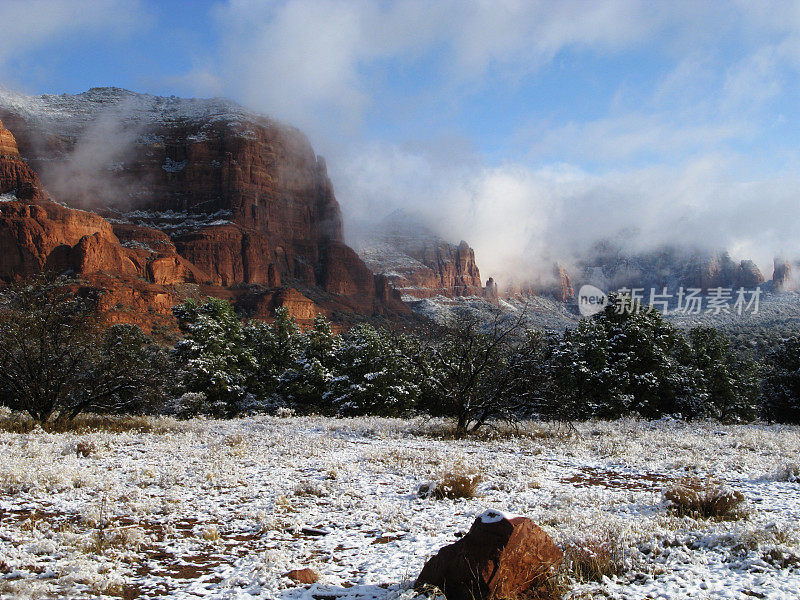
{"x": 309, "y": 487}
{"x": 275, "y": 346}
{"x": 713, "y": 381}
{"x": 304, "y": 384}
{"x": 628, "y": 359}
{"x": 59, "y": 360}
{"x": 470, "y": 372}
{"x": 373, "y": 374}
{"x": 214, "y": 358}
{"x": 704, "y": 498}
{"x": 189, "y": 404}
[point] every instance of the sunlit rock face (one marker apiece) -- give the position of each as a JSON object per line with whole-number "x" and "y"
{"x": 8, "y": 145}
{"x": 16, "y": 177}
{"x": 198, "y": 191}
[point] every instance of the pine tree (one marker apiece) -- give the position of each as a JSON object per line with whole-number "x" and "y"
{"x": 304, "y": 384}
{"x": 275, "y": 346}
{"x": 373, "y": 374}
{"x": 214, "y": 358}
{"x": 724, "y": 387}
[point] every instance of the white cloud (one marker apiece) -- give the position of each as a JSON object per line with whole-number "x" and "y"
{"x": 314, "y": 63}
{"x": 521, "y": 219}
{"x": 613, "y": 140}
{"x": 321, "y": 64}
{"x": 296, "y": 58}
{"x": 523, "y": 35}
{"x": 753, "y": 81}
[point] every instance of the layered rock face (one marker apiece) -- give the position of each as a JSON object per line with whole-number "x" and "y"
{"x": 720, "y": 271}
{"x": 8, "y": 145}
{"x": 558, "y": 286}
{"x": 16, "y": 177}
{"x": 610, "y": 268}
{"x": 782, "y": 276}
{"x": 180, "y": 192}
{"x": 44, "y": 236}
{"x": 564, "y": 290}
{"x": 748, "y": 275}
{"x": 419, "y": 264}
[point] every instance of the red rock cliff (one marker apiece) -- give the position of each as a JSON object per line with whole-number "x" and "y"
{"x": 16, "y": 177}
{"x": 198, "y": 191}
{"x": 418, "y": 263}
{"x": 202, "y": 191}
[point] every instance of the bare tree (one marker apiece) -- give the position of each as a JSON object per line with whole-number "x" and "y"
{"x": 471, "y": 370}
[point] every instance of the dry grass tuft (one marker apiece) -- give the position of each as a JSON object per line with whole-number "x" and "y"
{"x": 234, "y": 440}
{"x": 309, "y": 487}
{"x": 705, "y": 499}
{"x": 594, "y": 558}
{"x": 789, "y": 472}
{"x": 14, "y": 422}
{"x": 211, "y": 534}
{"x": 461, "y": 482}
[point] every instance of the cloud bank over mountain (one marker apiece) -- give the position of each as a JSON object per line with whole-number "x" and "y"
{"x": 528, "y": 128}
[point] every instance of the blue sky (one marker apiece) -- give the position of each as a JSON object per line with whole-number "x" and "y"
{"x": 506, "y": 122}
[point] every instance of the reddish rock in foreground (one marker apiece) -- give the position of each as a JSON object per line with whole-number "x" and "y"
{"x": 304, "y": 576}
{"x": 501, "y": 557}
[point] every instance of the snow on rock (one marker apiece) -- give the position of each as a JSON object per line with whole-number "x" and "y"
{"x": 495, "y": 516}
{"x": 171, "y": 166}
{"x": 66, "y": 111}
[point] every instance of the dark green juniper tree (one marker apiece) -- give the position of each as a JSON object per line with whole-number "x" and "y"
{"x": 374, "y": 374}
{"x": 214, "y": 363}
{"x": 781, "y": 386}
{"x": 57, "y": 360}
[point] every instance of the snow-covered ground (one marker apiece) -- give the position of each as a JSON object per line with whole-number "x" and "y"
{"x": 223, "y": 509}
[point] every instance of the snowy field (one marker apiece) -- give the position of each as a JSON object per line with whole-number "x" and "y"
{"x": 223, "y": 509}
